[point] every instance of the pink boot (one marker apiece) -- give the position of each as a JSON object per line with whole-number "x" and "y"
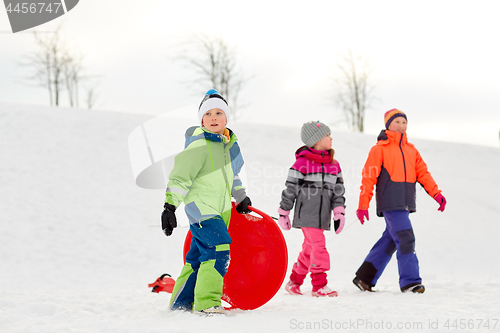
{"x": 325, "y": 292}
{"x": 293, "y": 288}
{"x": 320, "y": 289}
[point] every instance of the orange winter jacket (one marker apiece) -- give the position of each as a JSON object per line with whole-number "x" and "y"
{"x": 394, "y": 165}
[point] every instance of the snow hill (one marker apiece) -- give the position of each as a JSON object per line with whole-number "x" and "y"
{"x": 80, "y": 241}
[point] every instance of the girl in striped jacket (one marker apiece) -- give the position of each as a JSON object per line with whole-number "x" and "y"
{"x": 316, "y": 188}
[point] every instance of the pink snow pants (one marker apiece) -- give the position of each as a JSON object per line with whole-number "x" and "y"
{"x": 314, "y": 256}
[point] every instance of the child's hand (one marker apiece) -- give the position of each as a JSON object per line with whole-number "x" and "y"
{"x": 284, "y": 220}
{"x": 242, "y": 208}
{"x": 441, "y": 201}
{"x": 361, "y": 214}
{"x": 168, "y": 219}
{"x": 338, "y": 219}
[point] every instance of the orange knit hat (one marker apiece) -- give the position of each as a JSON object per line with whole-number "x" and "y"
{"x": 392, "y": 114}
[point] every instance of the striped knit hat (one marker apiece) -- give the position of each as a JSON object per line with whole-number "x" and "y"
{"x": 213, "y": 100}
{"x": 392, "y": 114}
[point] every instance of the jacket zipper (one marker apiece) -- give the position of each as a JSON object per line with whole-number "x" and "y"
{"x": 404, "y": 162}
{"x": 223, "y": 169}
{"x": 322, "y": 185}
{"x": 402, "y": 154}
{"x": 228, "y": 189}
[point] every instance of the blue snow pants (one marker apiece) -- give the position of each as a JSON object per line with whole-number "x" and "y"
{"x": 398, "y": 236}
{"x": 201, "y": 280}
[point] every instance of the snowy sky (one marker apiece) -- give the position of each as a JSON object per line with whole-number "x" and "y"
{"x": 435, "y": 60}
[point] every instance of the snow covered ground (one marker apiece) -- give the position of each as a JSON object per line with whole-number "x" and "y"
{"x": 79, "y": 241}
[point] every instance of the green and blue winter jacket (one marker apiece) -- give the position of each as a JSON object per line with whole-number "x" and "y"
{"x": 205, "y": 175}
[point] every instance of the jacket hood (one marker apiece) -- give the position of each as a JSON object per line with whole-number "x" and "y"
{"x": 197, "y": 133}
{"x": 304, "y": 150}
{"x": 313, "y": 154}
{"x": 391, "y": 136}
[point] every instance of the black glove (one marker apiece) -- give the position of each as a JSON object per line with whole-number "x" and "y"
{"x": 168, "y": 220}
{"x": 242, "y": 208}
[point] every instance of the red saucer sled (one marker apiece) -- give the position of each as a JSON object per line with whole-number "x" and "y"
{"x": 259, "y": 260}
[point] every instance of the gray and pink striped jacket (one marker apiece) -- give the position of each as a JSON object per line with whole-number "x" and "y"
{"x": 315, "y": 185}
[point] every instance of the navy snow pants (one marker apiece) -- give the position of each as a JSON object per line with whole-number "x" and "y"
{"x": 201, "y": 280}
{"x": 398, "y": 236}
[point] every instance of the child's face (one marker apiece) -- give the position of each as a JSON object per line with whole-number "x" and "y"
{"x": 324, "y": 144}
{"x": 214, "y": 120}
{"x": 398, "y": 125}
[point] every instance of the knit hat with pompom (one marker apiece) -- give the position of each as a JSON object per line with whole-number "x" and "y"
{"x": 313, "y": 131}
{"x": 213, "y": 100}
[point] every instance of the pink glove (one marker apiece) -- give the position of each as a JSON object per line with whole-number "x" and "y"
{"x": 284, "y": 220}
{"x": 338, "y": 219}
{"x": 361, "y": 214}
{"x": 441, "y": 201}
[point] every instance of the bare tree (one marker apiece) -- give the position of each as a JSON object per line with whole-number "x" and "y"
{"x": 72, "y": 76}
{"x": 91, "y": 96}
{"x": 353, "y": 93}
{"x": 56, "y": 67}
{"x": 48, "y": 62}
{"x": 214, "y": 63}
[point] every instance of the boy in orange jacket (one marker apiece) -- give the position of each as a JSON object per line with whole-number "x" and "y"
{"x": 394, "y": 165}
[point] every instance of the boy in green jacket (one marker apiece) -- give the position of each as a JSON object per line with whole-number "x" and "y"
{"x": 204, "y": 177}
